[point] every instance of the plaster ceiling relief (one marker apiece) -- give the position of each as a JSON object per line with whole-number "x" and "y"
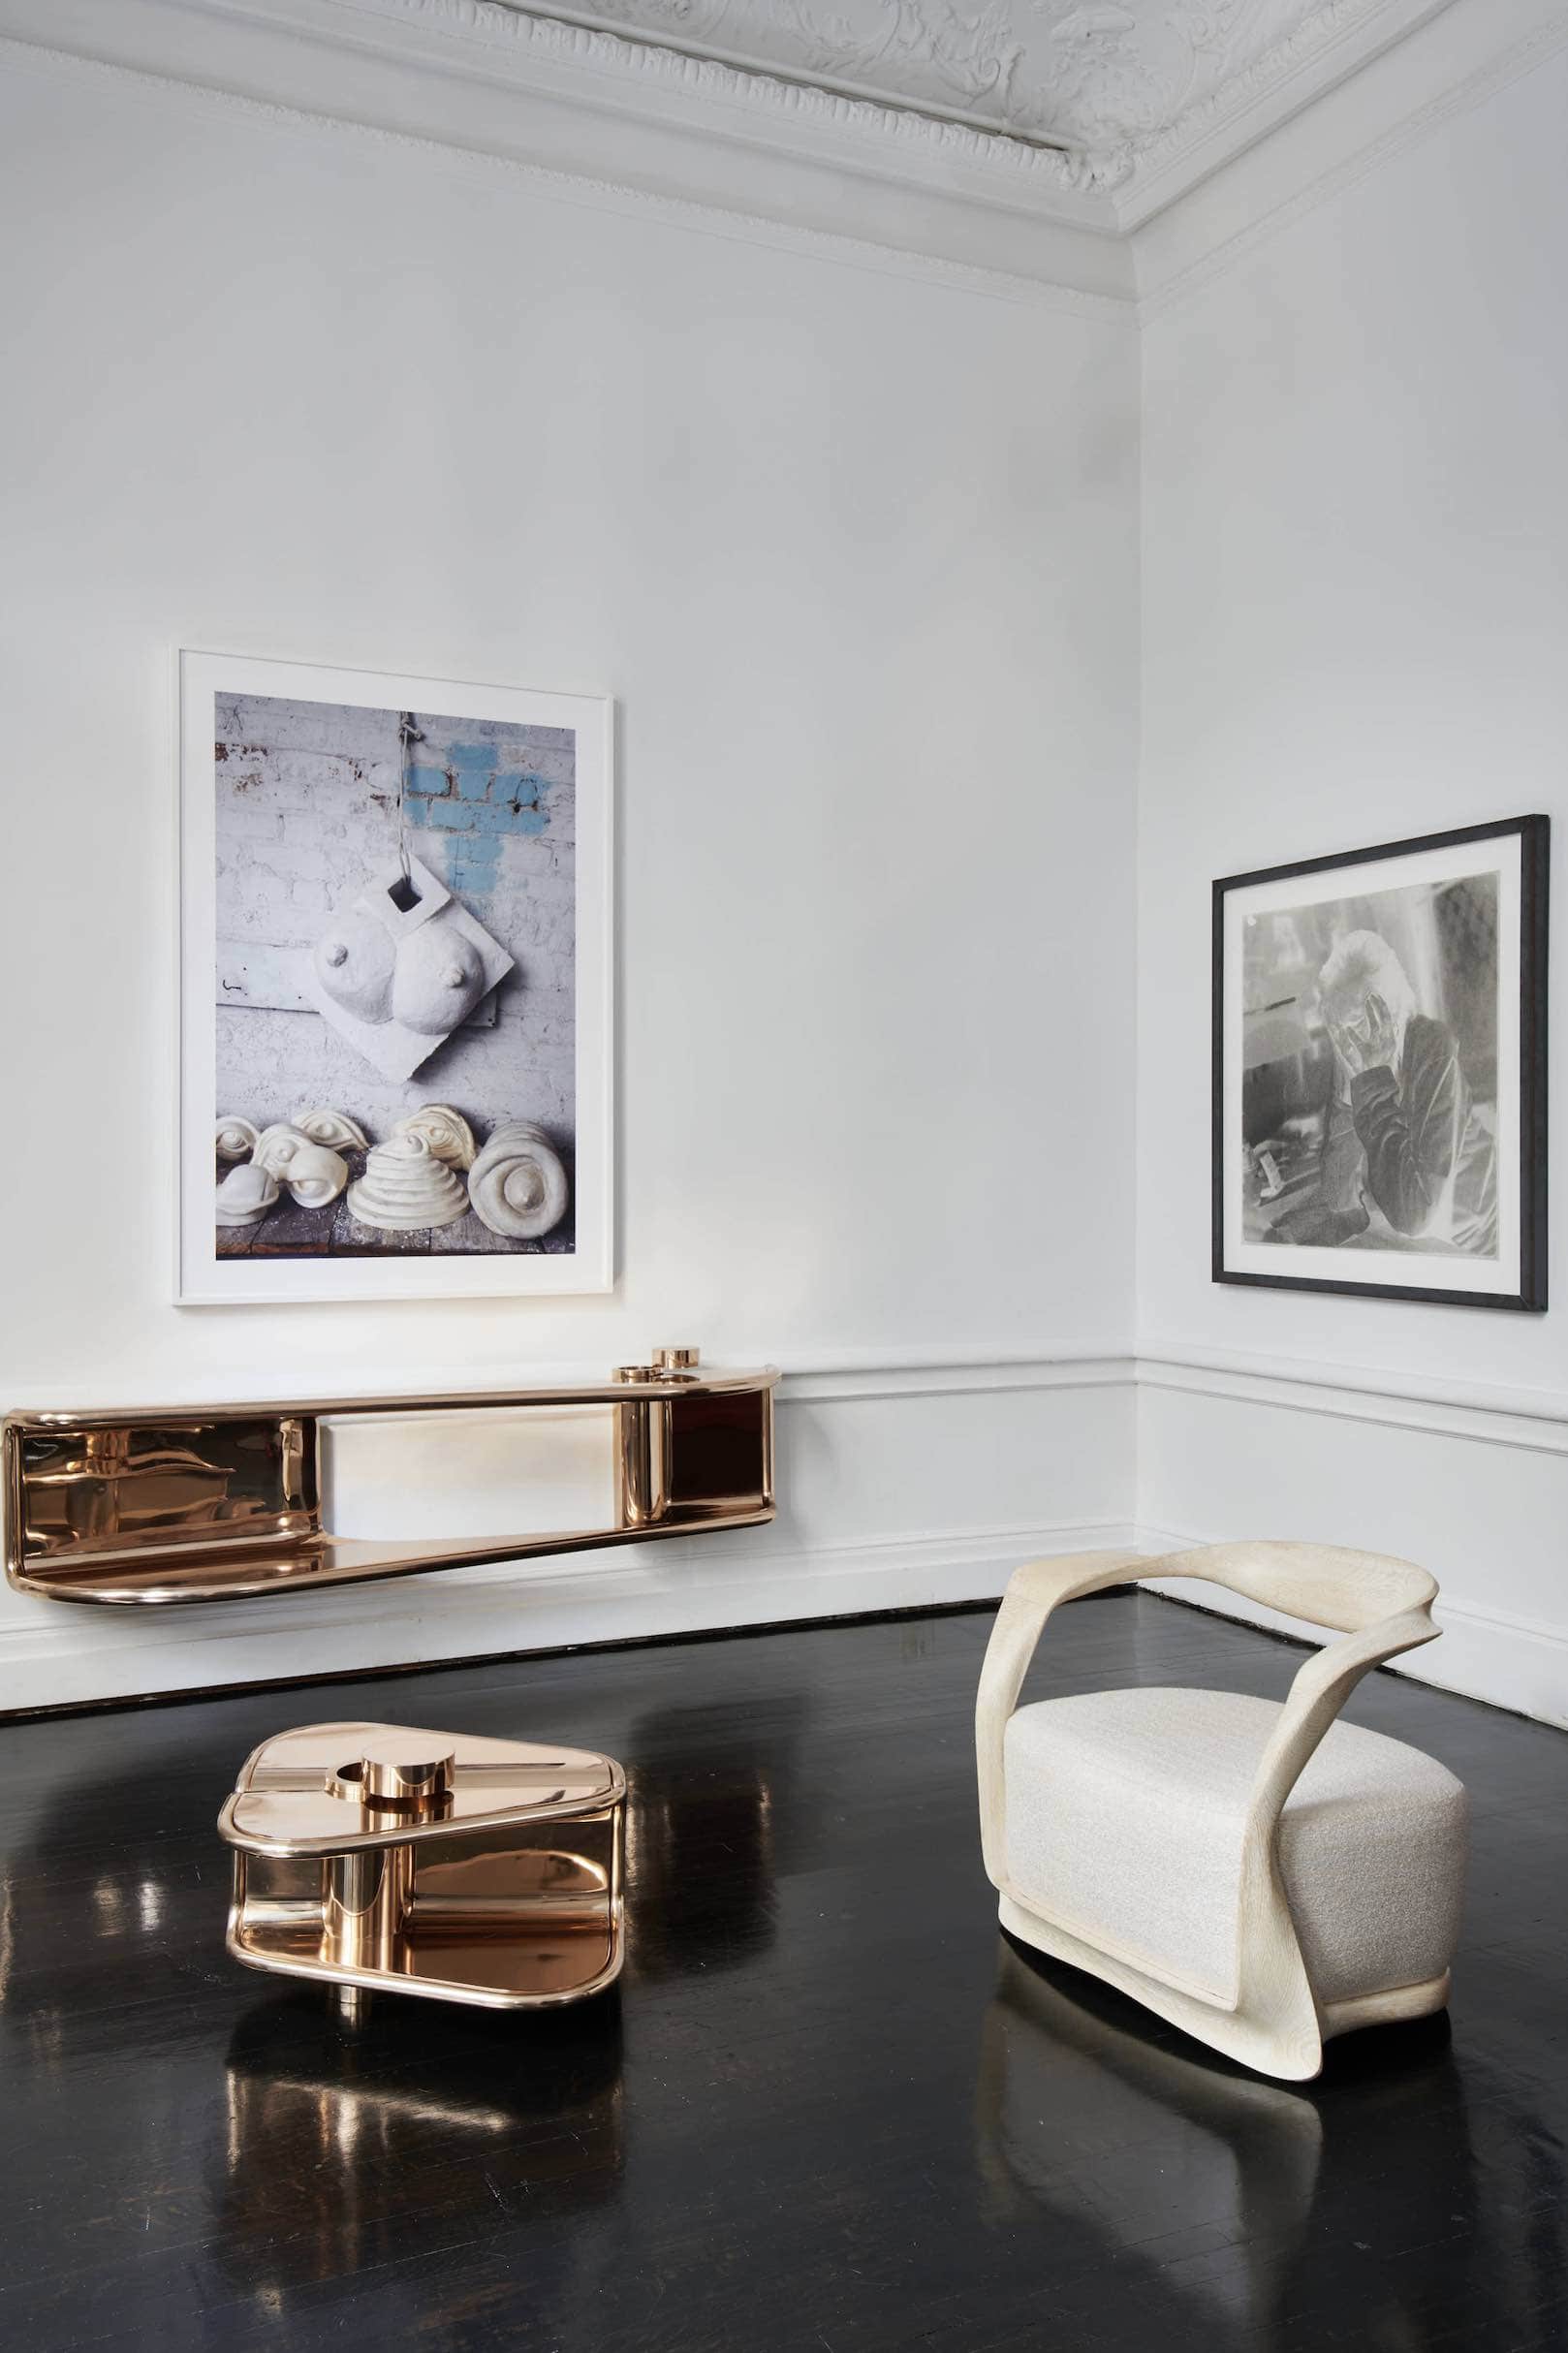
{"x": 1102, "y": 78}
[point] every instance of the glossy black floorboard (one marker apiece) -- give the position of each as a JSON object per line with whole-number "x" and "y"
{"x": 830, "y": 2107}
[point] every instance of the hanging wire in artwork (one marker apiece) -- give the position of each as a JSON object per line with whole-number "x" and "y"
{"x": 408, "y": 736}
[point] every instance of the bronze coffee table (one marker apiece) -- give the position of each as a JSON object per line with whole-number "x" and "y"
{"x": 382, "y": 1858}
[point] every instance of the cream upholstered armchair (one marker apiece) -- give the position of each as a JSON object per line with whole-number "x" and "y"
{"x": 1258, "y": 1874}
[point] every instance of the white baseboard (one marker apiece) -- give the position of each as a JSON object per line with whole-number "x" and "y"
{"x": 901, "y": 1486}
{"x": 1467, "y": 1477}
{"x": 1363, "y": 1456}
{"x": 1514, "y": 1662}
{"x": 76, "y": 1654}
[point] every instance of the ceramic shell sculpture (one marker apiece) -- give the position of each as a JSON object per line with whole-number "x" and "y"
{"x": 334, "y": 1129}
{"x": 276, "y": 1146}
{"x": 245, "y": 1195}
{"x": 405, "y": 1186}
{"x": 518, "y": 1185}
{"x": 314, "y": 1175}
{"x": 235, "y": 1139}
{"x": 446, "y": 1131}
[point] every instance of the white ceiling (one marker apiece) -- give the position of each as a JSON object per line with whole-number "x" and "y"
{"x": 1104, "y": 79}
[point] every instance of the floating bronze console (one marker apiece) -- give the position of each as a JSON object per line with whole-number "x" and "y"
{"x": 468, "y": 1870}
{"x": 225, "y": 1502}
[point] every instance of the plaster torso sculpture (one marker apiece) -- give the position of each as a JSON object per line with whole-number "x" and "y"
{"x": 406, "y": 1187}
{"x": 518, "y": 1183}
{"x": 399, "y": 967}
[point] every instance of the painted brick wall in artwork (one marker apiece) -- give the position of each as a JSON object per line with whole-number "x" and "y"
{"x": 308, "y": 803}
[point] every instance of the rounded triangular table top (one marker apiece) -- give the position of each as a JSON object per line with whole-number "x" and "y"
{"x": 324, "y": 1788}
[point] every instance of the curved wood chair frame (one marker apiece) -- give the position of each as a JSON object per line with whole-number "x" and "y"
{"x": 1271, "y": 2019}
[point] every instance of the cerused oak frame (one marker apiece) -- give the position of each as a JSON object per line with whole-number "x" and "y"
{"x": 1535, "y": 881}
{"x": 1271, "y": 2020}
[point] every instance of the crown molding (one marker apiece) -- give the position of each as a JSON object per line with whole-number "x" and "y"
{"x": 1100, "y": 184}
{"x": 451, "y": 74}
{"x": 486, "y": 170}
{"x": 1044, "y": 152}
{"x": 1316, "y": 55}
{"x": 627, "y": 71}
{"x": 1454, "y": 61}
{"x": 586, "y": 116}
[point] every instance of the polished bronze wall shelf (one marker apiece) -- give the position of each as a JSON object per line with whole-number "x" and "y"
{"x": 465, "y": 1869}
{"x": 225, "y": 1502}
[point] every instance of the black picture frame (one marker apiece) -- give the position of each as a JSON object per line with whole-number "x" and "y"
{"x": 1534, "y": 834}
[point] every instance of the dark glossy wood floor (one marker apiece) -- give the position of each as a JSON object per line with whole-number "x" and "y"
{"x": 830, "y": 2106}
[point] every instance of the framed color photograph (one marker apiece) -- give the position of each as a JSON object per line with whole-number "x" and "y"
{"x": 396, "y": 985}
{"x": 1380, "y": 1073}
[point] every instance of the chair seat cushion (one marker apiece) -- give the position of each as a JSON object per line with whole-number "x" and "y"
{"x": 1124, "y": 1821}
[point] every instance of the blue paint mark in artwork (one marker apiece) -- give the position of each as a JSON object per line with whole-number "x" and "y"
{"x": 488, "y": 818}
{"x": 473, "y": 765}
{"x": 468, "y": 808}
{"x": 473, "y": 861}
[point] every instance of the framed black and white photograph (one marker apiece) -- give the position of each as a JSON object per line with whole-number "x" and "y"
{"x": 1380, "y": 1080}
{"x": 396, "y": 985}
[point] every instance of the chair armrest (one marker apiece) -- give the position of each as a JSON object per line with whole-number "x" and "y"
{"x": 1032, "y": 1593}
{"x": 1320, "y": 1689}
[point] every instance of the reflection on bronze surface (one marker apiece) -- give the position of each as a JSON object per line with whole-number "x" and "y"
{"x": 225, "y": 1502}
{"x": 465, "y": 1869}
{"x": 323, "y": 2130}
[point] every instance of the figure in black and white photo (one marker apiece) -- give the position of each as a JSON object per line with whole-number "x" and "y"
{"x": 1402, "y": 1139}
{"x": 1369, "y": 1090}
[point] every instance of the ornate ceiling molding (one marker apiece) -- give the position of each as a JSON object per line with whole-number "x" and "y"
{"x": 1094, "y": 77}
{"x": 620, "y": 117}
{"x": 1036, "y": 99}
{"x": 659, "y": 70}
{"x": 1084, "y": 94}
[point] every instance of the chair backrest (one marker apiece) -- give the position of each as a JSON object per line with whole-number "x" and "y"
{"x": 1328, "y": 1585}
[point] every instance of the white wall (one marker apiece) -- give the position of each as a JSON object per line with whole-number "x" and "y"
{"x": 855, "y": 544}
{"x": 856, "y": 549}
{"x": 1355, "y": 614}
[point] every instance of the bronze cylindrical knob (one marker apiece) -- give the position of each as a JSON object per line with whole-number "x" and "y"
{"x": 394, "y": 1772}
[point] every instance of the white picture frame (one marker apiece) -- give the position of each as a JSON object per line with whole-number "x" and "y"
{"x": 210, "y": 1272}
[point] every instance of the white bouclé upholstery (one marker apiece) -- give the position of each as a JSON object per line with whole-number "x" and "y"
{"x": 1124, "y": 1819}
